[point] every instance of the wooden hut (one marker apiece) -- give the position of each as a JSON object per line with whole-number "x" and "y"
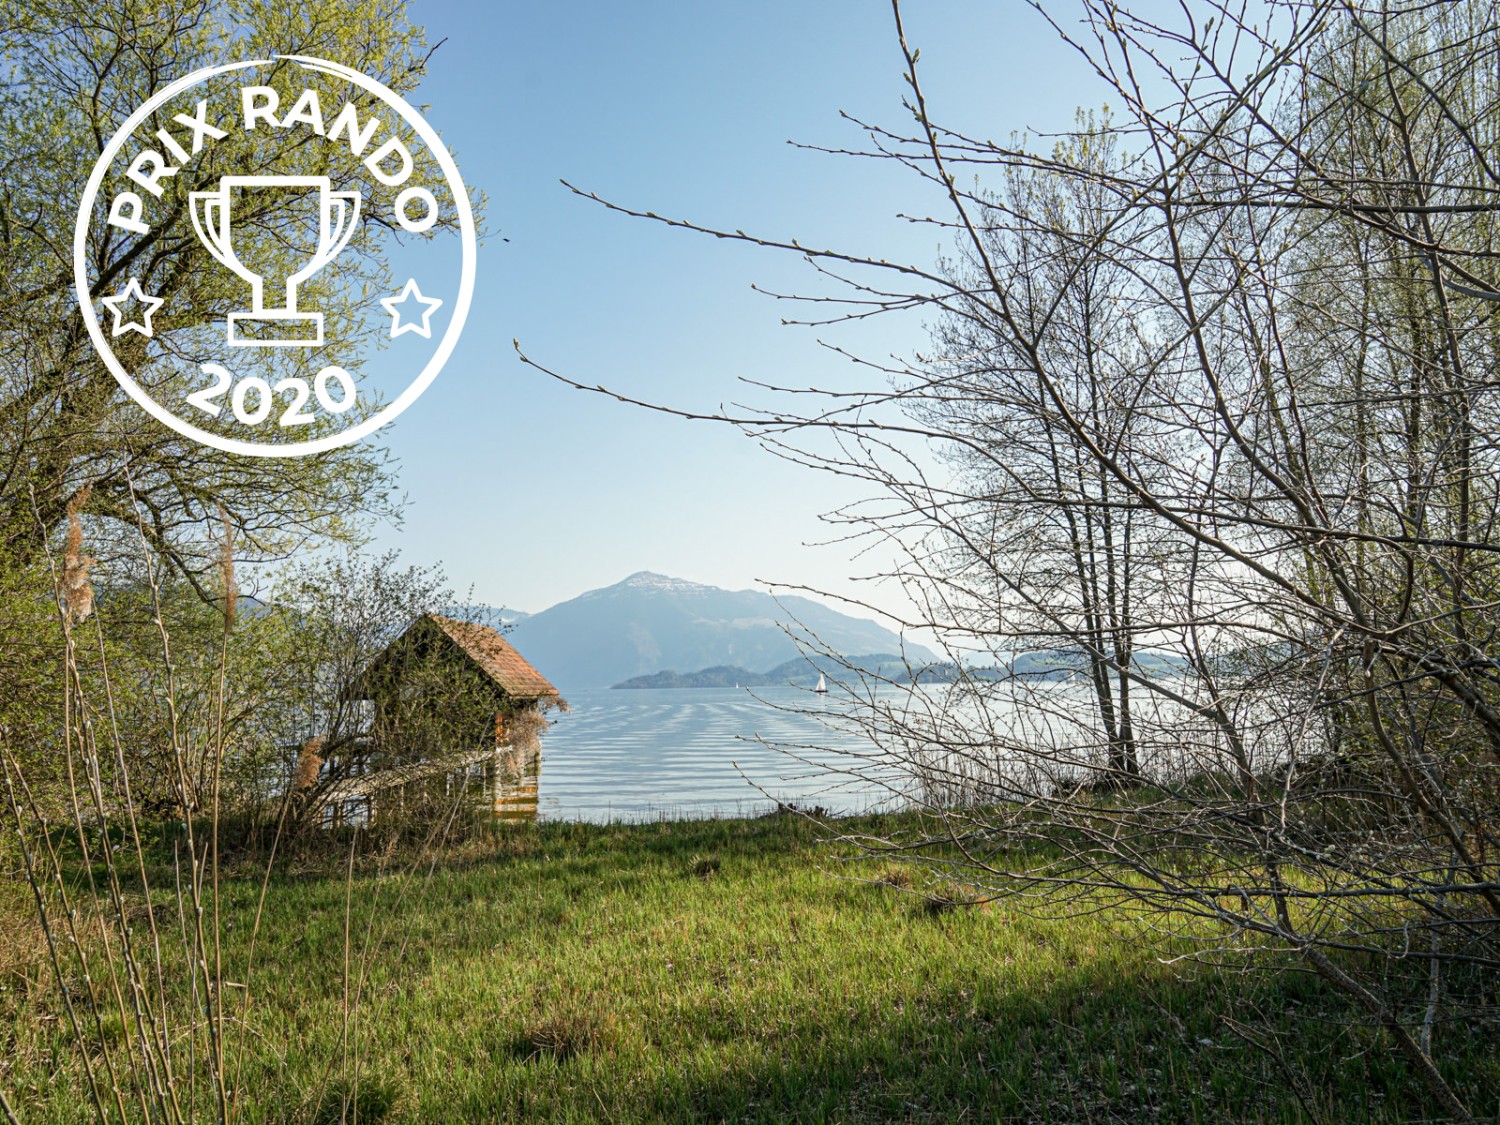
{"x": 451, "y": 708}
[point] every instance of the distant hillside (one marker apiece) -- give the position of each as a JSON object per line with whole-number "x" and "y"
{"x": 650, "y": 622}
{"x": 800, "y": 670}
{"x": 803, "y": 671}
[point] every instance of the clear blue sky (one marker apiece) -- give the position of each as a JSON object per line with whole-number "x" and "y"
{"x": 532, "y": 492}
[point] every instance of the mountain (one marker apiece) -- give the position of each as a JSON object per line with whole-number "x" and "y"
{"x": 649, "y": 623}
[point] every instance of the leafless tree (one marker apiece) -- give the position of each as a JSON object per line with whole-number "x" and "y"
{"x": 1214, "y": 383}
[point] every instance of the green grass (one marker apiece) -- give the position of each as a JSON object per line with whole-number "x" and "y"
{"x": 723, "y": 970}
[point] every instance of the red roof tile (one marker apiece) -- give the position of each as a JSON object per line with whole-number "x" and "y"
{"x": 496, "y": 657}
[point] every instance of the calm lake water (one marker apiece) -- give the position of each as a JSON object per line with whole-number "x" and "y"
{"x": 679, "y": 752}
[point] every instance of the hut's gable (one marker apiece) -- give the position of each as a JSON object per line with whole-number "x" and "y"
{"x": 496, "y": 658}
{"x": 484, "y": 650}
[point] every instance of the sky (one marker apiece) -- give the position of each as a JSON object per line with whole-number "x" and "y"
{"x": 530, "y": 492}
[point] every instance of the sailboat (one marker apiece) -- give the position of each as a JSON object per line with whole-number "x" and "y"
{"x": 822, "y": 688}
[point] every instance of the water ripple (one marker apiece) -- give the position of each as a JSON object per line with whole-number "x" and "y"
{"x": 643, "y": 754}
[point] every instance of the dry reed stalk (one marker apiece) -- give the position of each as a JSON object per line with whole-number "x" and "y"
{"x": 210, "y": 975}
{"x": 78, "y": 590}
{"x": 227, "y": 583}
{"x": 74, "y": 597}
{"x": 159, "y": 1041}
{"x": 309, "y": 764}
{"x": 231, "y": 599}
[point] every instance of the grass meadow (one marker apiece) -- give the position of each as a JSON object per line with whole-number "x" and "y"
{"x": 721, "y": 971}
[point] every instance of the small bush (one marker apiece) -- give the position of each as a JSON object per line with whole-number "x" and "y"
{"x": 705, "y": 867}
{"x": 947, "y": 900}
{"x": 562, "y": 1034}
{"x": 343, "y": 1104}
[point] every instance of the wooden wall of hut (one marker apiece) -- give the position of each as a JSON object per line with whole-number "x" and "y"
{"x": 514, "y": 777}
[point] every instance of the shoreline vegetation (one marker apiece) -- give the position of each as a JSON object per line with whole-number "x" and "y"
{"x": 753, "y": 970}
{"x": 889, "y": 668}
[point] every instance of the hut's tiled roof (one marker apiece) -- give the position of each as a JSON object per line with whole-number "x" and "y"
{"x": 496, "y": 658}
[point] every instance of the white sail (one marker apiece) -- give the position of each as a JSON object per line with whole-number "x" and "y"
{"x": 822, "y": 687}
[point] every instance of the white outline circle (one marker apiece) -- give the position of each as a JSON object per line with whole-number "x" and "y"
{"x": 369, "y": 425}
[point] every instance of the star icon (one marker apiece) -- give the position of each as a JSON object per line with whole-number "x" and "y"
{"x": 140, "y": 319}
{"x": 396, "y": 307}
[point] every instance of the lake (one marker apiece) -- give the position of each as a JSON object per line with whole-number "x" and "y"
{"x": 649, "y": 753}
{"x": 646, "y": 753}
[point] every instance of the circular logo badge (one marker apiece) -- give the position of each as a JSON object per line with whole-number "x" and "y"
{"x": 275, "y": 257}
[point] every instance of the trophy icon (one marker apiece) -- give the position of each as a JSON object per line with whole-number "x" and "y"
{"x": 243, "y": 202}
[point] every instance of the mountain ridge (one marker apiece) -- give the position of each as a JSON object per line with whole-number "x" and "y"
{"x": 1042, "y": 664}
{"x": 800, "y": 671}
{"x": 650, "y": 622}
